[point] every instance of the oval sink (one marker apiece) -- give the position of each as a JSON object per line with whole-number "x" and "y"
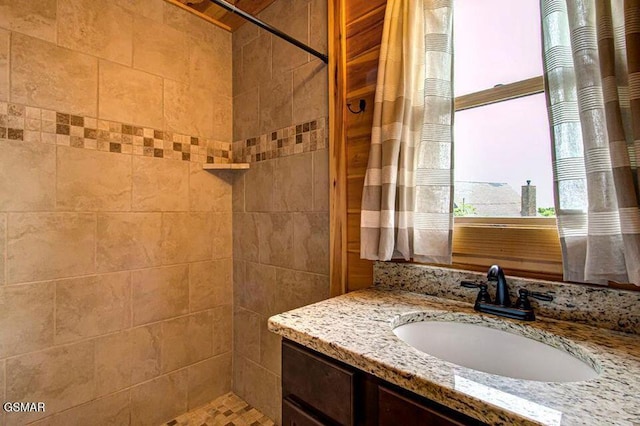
{"x": 494, "y": 351}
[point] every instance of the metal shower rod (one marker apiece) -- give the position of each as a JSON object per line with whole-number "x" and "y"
{"x": 233, "y": 9}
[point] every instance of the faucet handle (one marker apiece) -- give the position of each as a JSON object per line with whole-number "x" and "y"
{"x": 523, "y": 299}
{"x": 483, "y": 294}
{"x": 541, "y": 296}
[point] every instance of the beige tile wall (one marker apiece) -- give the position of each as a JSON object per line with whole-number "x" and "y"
{"x": 88, "y": 26}
{"x": 123, "y": 89}
{"x": 46, "y": 75}
{"x": 115, "y": 269}
{"x": 280, "y": 219}
{"x": 27, "y": 176}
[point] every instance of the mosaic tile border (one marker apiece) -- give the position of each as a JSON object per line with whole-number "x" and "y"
{"x": 296, "y": 139}
{"x": 30, "y": 124}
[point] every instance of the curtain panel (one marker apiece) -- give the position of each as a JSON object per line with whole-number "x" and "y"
{"x": 591, "y": 54}
{"x": 410, "y": 159}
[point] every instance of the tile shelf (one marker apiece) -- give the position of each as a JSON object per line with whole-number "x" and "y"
{"x": 228, "y": 166}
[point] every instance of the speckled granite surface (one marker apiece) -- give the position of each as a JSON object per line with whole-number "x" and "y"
{"x": 356, "y": 328}
{"x": 598, "y": 306}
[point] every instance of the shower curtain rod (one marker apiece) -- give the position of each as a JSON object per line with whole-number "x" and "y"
{"x": 231, "y": 8}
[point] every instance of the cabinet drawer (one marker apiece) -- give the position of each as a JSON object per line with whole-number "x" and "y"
{"x": 318, "y": 383}
{"x": 292, "y": 415}
{"x": 395, "y": 409}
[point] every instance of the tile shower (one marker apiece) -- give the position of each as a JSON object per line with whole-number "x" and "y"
{"x": 281, "y": 204}
{"x": 116, "y": 245}
{"x": 134, "y": 286}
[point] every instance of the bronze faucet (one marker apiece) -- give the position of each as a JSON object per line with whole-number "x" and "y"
{"x": 502, "y": 304}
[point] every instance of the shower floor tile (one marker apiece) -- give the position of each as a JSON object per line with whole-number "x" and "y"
{"x": 227, "y": 410}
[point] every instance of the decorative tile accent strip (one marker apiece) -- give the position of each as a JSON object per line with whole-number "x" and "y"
{"x": 23, "y": 123}
{"x": 296, "y": 139}
{"x": 227, "y": 410}
{"x": 593, "y": 305}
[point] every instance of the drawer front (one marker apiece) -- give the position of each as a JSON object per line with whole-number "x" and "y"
{"x": 394, "y": 409}
{"x": 324, "y": 386}
{"x": 292, "y": 415}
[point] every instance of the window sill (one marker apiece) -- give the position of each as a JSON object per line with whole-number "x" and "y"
{"x": 527, "y": 247}
{"x": 506, "y": 222}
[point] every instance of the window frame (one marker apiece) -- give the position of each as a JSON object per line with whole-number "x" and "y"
{"x": 500, "y": 93}
{"x": 526, "y": 246}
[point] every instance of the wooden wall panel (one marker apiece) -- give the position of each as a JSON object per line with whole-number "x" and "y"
{"x": 365, "y": 33}
{"x": 358, "y": 155}
{"x": 362, "y": 72}
{"x": 252, "y": 7}
{"x": 353, "y": 229}
{"x": 354, "y": 193}
{"x": 359, "y": 125}
{"x": 356, "y": 9}
{"x": 199, "y": 14}
{"x": 337, "y": 149}
{"x": 359, "y": 273}
{"x": 363, "y": 28}
{"x": 231, "y": 21}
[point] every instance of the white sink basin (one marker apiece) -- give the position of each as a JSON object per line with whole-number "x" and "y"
{"x": 494, "y": 351}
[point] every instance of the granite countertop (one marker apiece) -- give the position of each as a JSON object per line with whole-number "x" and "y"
{"x": 356, "y": 328}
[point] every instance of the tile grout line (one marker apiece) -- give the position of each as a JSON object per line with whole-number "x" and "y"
{"x": 9, "y": 65}
{"x": 98, "y": 67}
{"x": 5, "y": 255}
{"x": 57, "y": 7}
{"x": 4, "y": 386}
{"x": 133, "y": 29}
{"x": 313, "y": 180}
{"x": 118, "y": 271}
{"x": 95, "y": 244}
{"x": 131, "y": 300}
{"x": 55, "y": 320}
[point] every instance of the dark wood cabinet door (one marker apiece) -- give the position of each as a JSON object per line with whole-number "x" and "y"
{"x": 293, "y": 415}
{"x": 318, "y": 383}
{"x": 318, "y": 390}
{"x": 395, "y": 409}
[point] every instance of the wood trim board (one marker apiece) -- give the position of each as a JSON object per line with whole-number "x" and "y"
{"x": 337, "y": 150}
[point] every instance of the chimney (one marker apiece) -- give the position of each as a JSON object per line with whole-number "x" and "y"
{"x": 528, "y": 200}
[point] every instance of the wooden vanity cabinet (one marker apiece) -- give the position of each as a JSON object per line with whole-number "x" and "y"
{"x": 396, "y": 409}
{"x": 314, "y": 384}
{"x": 318, "y": 390}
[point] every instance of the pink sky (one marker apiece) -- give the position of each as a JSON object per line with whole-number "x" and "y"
{"x": 498, "y": 42}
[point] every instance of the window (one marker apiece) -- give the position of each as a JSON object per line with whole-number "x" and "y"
{"x": 501, "y": 127}
{"x": 527, "y": 246}
{"x": 502, "y": 140}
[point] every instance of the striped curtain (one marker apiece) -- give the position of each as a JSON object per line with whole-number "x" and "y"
{"x": 407, "y": 201}
{"x": 592, "y": 71}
